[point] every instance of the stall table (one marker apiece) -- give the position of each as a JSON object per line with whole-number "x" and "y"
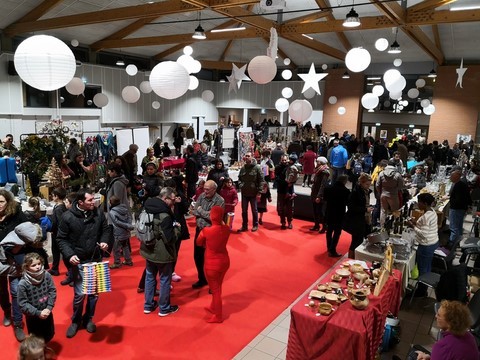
{"x": 173, "y": 163}
{"x": 347, "y": 333}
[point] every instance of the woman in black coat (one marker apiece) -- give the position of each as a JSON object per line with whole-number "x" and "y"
{"x": 358, "y": 217}
{"x": 218, "y": 174}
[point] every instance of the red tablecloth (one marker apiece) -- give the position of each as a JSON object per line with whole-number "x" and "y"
{"x": 347, "y": 333}
{"x": 170, "y": 163}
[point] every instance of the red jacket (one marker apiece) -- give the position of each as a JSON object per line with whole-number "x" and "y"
{"x": 309, "y": 162}
{"x": 231, "y": 198}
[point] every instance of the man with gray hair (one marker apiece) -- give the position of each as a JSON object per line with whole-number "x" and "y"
{"x": 204, "y": 204}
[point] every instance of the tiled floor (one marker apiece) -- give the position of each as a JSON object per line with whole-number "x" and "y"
{"x": 415, "y": 322}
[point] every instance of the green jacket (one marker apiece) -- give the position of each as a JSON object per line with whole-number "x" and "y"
{"x": 250, "y": 180}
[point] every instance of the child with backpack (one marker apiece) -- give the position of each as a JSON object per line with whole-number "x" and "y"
{"x": 36, "y": 297}
{"x": 262, "y": 202}
{"x": 122, "y": 227}
{"x": 356, "y": 167}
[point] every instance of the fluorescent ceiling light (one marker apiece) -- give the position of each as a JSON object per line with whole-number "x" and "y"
{"x": 308, "y": 37}
{"x": 228, "y": 29}
{"x": 374, "y": 78}
{"x": 466, "y": 7}
{"x": 120, "y": 62}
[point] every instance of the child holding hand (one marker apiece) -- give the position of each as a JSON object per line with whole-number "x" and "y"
{"x": 36, "y": 297}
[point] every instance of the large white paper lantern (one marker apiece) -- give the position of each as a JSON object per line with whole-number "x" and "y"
{"x": 300, "y": 110}
{"x": 381, "y": 44}
{"x": 332, "y": 100}
{"x": 282, "y": 105}
{"x": 391, "y": 76}
{"x": 100, "y": 100}
{"x": 262, "y": 69}
{"x": 131, "y": 70}
{"x": 420, "y": 83}
{"x": 429, "y": 110}
{"x": 396, "y": 85}
{"x": 287, "y": 74}
{"x": 145, "y": 87}
{"x": 156, "y": 105}
{"x": 287, "y": 92}
{"x": 369, "y": 101}
{"x": 76, "y": 86}
{"x": 169, "y": 80}
{"x": 44, "y": 62}
{"x": 341, "y": 110}
{"x": 208, "y": 95}
{"x": 193, "y": 83}
{"x": 424, "y": 103}
{"x": 357, "y": 59}
{"x": 130, "y": 94}
{"x": 378, "y": 90}
{"x": 413, "y": 93}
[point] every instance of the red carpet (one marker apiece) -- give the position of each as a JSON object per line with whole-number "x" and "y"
{"x": 269, "y": 270}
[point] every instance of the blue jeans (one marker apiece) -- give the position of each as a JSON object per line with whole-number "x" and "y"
{"x": 455, "y": 218}
{"x": 424, "y": 258}
{"x": 16, "y": 312}
{"x": 336, "y": 172}
{"x": 79, "y": 297}
{"x": 252, "y": 200}
{"x": 165, "y": 271}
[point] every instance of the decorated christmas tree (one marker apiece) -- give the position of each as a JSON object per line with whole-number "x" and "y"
{"x": 53, "y": 175}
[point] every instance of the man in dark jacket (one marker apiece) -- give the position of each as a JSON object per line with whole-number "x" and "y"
{"x": 191, "y": 172}
{"x": 82, "y": 234}
{"x": 250, "y": 182}
{"x": 162, "y": 255}
{"x": 130, "y": 157}
{"x": 459, "y": 201}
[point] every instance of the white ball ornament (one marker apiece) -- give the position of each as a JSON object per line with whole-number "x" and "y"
{"x": 324, "y": 67}
{"x": 395, "y": 95}
{"x": 424, "y": 103}
{"x": 76, "y": 86}
{"x": 413, "y": 93}
{"x": 300, "y": 110}
{"x": 429, "y": 110}
{"x": 131, "y": 70}
{"x": 381, "y": 44}
{"x": 156, "y": 105}
{"x": 357, "y": 59}
{"x": 208, "y": 95}
{"x": 397, "y": 62}
{"x": 420, "y": 83}
{"x": 341, "y": 110}
{"x": 100, "y": 100}
{"x": 282, "y": 105}
{"x": 378, "y": 90}
{"x": 287, "y": 74}
{"x": 391, "y": 76}
{"x": 369, "y": 101}
{"x": 130, "y": 94}
{"x": 188, "y": 50}
{"x": 396, "y": 85}
{"x": 332, "y": 100}
{"x": 287, "y": 61}
{"x": 44, "y": 62}
{"x": 74, "y": 43}
{"x": 287, "y": 92}
{"x": 262, "y": 69}
{"x": 193, "y": 83}
{"x": 145, "y": 87}
{"x": 169, "y": 80}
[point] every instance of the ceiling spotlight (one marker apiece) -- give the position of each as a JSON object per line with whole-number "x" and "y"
{"x": 199, "y": 33}
{"x": 432, "y": 74}
{"x": 120, "y": 62}
{"x": 346, "y": 75}
{"x": 352, "y": 19}
{"x": 394, "y": 48}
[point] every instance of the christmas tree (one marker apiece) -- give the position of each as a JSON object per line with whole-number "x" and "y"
{"x": 53, "y": 175}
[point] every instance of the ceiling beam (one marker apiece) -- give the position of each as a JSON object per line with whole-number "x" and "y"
{"x": 436, "y": 37}
{"x": 392, "y": 10}
{"x": 317, "y": 46}
{"x": 39, "y": 11}
{"x": 309, "y": 17}
{"x": 96, "y": 17}
{"x": 282, "y": 54}
{"x": 161, "y": 56}
{"x": 322, "y": 4}
{"x": 422, "y": 40}
{"x": 230, "y": 3}
{"x": 245, "y": 16}
{"x": 429, "y": 5}
{"x": 442, "y": 17}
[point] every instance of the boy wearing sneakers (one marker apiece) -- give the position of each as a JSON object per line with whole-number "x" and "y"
{"x": 122, "y": 226}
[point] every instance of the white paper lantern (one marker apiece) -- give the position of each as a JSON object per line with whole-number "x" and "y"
{"x": 341, "y": 110}
{"x": 76, "y": 86}
{"x": 378, "y": 90}
{"x": 131, "y": 70}
{"x": 324, "y": 66}
{"x": 413, "y": 93}
{"x": 429, "y": 110}
{"x": 169, "y": 80}
{"x": 332, "y": 100}
{"x": 420, "y": 83}
{"x": 100, "y": 100}
{"x": 395, "y": 95}
{"x": 156, "y": 105}
{"x": 391, "y": 76}
{"x": 287, "y": 92}
{"x": 44, "y": 62}
{"x": 404, "y": 102}
{"x": 309, "y": 93}
{"x": 188, "y": 50}
{"x": 145, "y": 87}
{"x": 286, "y": 61}
{"x": 208, "y": 95}
{"x": 74, "y": 42}
{"x": 396, "y": 85}
{"x": 130, "y": 94}
{"x": 397, "y": 62}
{"x": 287, "y": 74}
{"x": 196, "y": 66}
{"x": 369, "y": 101}
{"x": 424, "y": 103}
{"x": 282, "y": 105}
{"x": 193, "y": 83}
{"x": 262, "y": 69}
{"x": 357, "y": 59}
{"x": 300, "y": 110}
{"x": 381, "y": 44}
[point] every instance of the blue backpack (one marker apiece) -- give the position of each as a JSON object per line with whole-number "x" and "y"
{"x": 357, "y": 167}
{"x": 367, "y": 163}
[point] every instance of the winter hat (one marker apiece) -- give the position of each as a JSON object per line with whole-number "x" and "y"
{"x": 322, "y": 160}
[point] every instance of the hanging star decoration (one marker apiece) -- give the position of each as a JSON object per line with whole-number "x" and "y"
{"x": 311, "y": 80}
{"x": 239, "y": 74}
{"x": 460, "y": 72}
{"x": 233, "y": 83}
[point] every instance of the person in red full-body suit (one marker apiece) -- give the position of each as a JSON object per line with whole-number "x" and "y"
{"x": 214, "y": 238}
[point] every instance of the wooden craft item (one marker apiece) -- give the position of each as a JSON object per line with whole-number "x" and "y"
{"x": 382, "y": 280}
